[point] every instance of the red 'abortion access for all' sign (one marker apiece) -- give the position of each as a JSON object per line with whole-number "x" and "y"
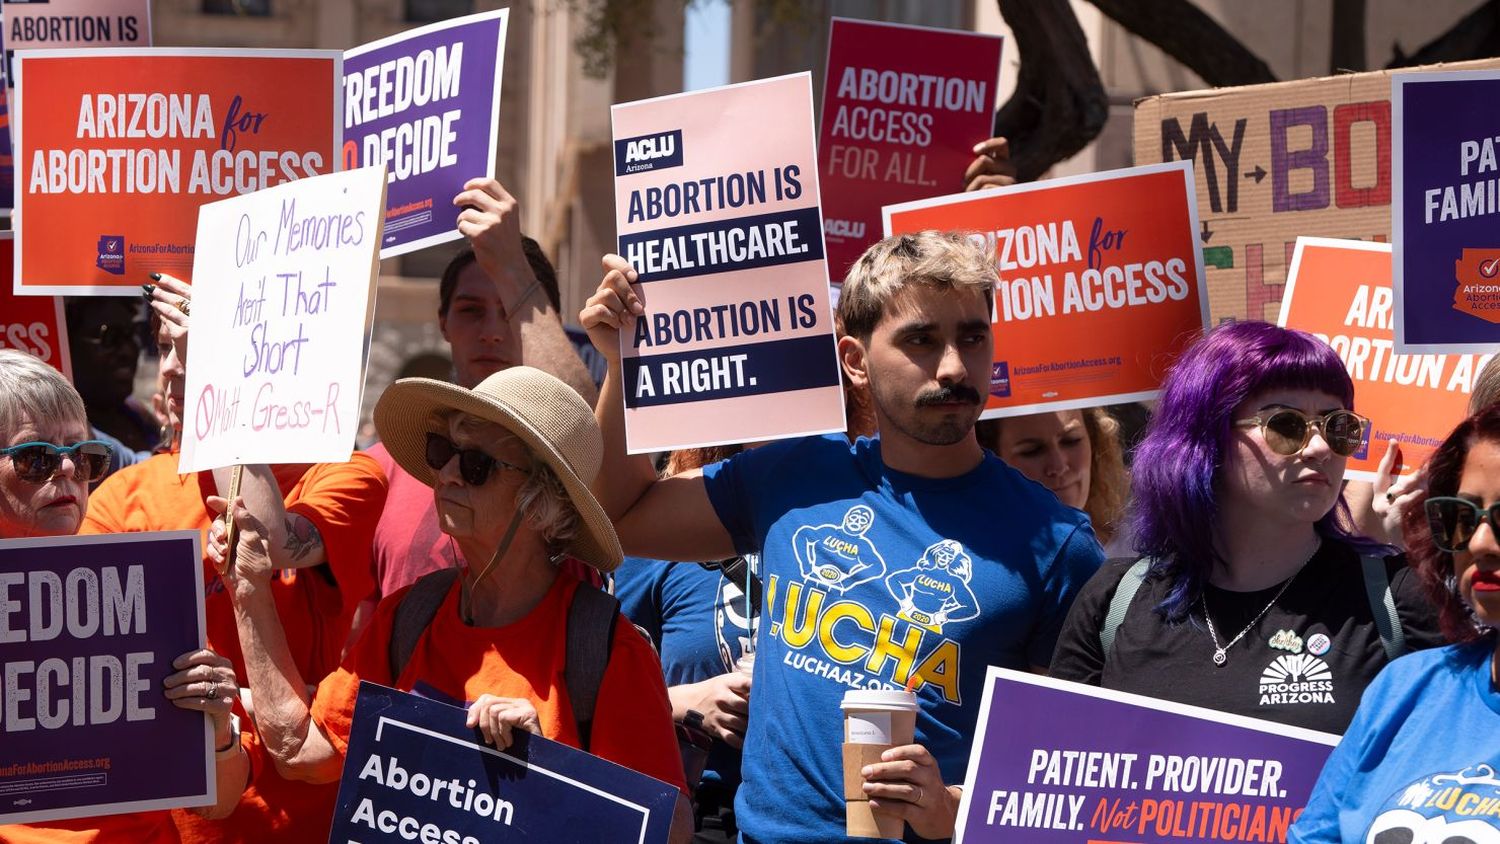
{"x": 903, "y": 107}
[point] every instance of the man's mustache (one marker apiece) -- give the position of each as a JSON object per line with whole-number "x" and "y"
{"x": 952, "y": 394}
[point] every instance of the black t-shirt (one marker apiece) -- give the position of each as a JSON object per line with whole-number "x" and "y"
{"x": 1305, "y": 663}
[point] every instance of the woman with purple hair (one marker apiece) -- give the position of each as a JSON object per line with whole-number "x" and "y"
{"x": 1251, "y": 593}
{"x": 1419, "y": 761}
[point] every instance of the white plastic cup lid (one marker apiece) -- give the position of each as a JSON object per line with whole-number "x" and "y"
{"x": 879, "y": 699}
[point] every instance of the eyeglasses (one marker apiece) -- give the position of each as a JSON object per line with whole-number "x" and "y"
{"x": 1288, "y": 431}
{"x": 1454, "y": 521}
{"x": 474, "y": 466}
{"x": 37, "y": 463}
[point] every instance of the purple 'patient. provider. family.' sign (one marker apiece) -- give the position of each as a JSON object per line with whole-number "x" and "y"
{"x": 426, "y": 104}
{"x": 1445, "y": 268}
{"x": 89, "y": 627}
{"x": 1062, "y": 763}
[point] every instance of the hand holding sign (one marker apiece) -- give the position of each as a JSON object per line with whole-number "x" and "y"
{"x": 992, "y": 168}
{"x": 614, "y": 307}
{"x": 491, "y": 220}
{"x": 172, "y": 300}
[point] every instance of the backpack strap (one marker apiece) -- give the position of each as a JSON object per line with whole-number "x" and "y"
{"x": 1383, "y": 605}
{"x": 414, "y": 615}
{"x": 591, "y": 635}
{"x": 1119, "y": 603}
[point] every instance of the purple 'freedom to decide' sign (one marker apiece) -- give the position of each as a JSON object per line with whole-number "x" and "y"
{"x": 426, "y": 104}
{"x": 1445, "y": 215}
{"x": 1063, "y": 763}
{"x": 89, "y": 626}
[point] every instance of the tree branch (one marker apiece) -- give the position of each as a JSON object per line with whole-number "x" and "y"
{"x": 1059, "y": 103}
{"x": 1185, "y": 33}
{"x": 1346, "y": 48}
{"x": 1477, "y": 36}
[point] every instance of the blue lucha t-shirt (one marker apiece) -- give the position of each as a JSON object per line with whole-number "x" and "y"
{"x": 700, "y": 623}
{"x": 873, "y": 577}
{"x": 1419, "y": 762}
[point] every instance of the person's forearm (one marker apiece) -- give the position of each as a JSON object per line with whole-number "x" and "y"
{"x": 294, "y": 541}
{"x": 231, "y": 777}
{"x": 622, "y": 478}
{"x": 294, "y": 741}
{"x": 545, "y": 346}
{"x": 683, "y": 698}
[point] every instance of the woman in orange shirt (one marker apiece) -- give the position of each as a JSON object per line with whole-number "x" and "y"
{"x": 509, "y": 462}
{"x": 46, "y": 465}
{"x": 322, "y": 516}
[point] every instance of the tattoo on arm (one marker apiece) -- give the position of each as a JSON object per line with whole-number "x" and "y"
{"x": 302, "y": 537}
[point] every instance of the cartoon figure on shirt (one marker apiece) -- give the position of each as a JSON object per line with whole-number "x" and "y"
{"x": 839, "y": 556}
{"x": 1441, "y": 809}
{"x": 936, "y": 590}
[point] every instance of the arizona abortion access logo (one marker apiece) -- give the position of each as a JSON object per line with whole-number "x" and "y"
{"x": 645, "y": 153}
{"x": 1478, "y": 291}
{"x": 1296, "y": 678}
{"x": 112, "y": 254}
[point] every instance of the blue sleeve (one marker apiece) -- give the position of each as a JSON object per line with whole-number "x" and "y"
{"x": 1076, "y": 561}
{"x": 1338, "y": 786}
{"x": 741, "y": 488}
{"x": 638, "y": 587}
{"x": 725, "y": 482}
{"x": 1319, "y": 822}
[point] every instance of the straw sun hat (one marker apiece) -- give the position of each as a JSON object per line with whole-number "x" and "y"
{"x": 555, "y": 424}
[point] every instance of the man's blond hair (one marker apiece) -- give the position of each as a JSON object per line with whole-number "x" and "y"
{"x": 943, "y": 260}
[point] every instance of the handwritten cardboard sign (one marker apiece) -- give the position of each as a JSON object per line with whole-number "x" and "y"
{"x": 718, "y": 211}
{"x": 426, "y": 105}
{"x": 90, "y": 629}
{"x": 32, "y": 324}
{"x": 405, "y": 751}
{"x": 1446, "y": 178}
{"x": 121, "y": 146}
{"x": 1100, "y": 282}
{"x": 1340, "y": 290}
{"x": 903, "y": 107}
{"x": 283, "y": 294}
{"x": 1093, "y": 765}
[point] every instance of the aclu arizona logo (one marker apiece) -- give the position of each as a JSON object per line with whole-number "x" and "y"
{"x": 844, "y": 228}
{"x": 648, "y": 152}
{"x": 1296, "y": 678}
{"x": 112, "y": 254}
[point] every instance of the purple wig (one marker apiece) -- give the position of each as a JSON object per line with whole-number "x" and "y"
{"x": 1176, "y": 467}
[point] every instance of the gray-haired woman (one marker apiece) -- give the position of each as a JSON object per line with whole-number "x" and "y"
{"x": 47, "y": 462}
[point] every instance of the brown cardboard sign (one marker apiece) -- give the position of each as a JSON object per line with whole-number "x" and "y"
{"x": 1309, "y": 157}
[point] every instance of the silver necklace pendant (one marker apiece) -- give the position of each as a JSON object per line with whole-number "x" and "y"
{"x": 1220, "y": 657}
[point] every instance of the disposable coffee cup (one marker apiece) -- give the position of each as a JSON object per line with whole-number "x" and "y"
{"x": 875, "y": 720}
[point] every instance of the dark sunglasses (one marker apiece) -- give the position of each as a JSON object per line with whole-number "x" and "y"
{"x": 474, "y": 466}
{"x": 1454, "y": 521}
{"x": 37, "y": 463}
{"x": 1289, "y": 431}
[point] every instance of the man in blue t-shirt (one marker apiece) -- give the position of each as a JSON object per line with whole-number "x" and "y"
{"x": 915, "y": 559}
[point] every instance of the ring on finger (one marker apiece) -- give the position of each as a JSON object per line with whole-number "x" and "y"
{"x": 213, "y": 691}
{"x": 920, "y": 795}
{"x": 1390, "y": 497}
{"x": 185, "y": 305}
